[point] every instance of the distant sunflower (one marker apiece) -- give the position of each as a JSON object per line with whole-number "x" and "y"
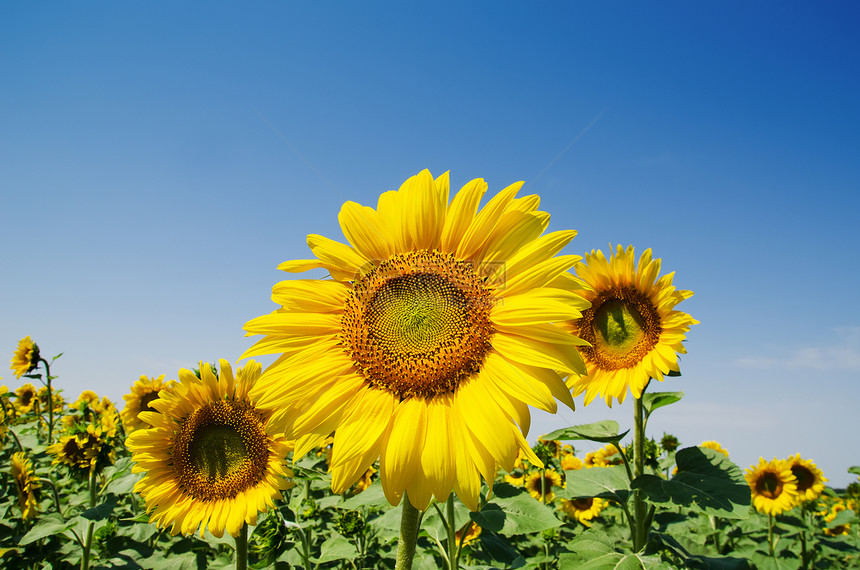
{"x": 143, "y": 392}
{"x": 437, "y": 329}
{"x": 25, "y": 358}
{"x": 810, "y": 479}
{"x": 469, "y": 533}
{"x": 25, "y": 398}
{"x": 715, "y": 446}
{"x": 570, "y": 462}
{"x": 604, "y": 457}
{"x": 540, "y": 484}
{"x": 773, "y": 486}
{"x": 212, "y": 457}
{"x": 583, "y": 510}
{"x": 634, "y": 331}
{"x": 27, "y": 484}
{"x": 516, "y": 479}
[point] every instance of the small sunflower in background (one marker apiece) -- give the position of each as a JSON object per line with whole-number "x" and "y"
{"x": 515, "y": 478}
{"x": 632, "y": 327}
{"x": 583, "y": 509}
{"x": 469, "y": 533}
{"x": 42, "y": 395}
{"x": 25, "y": 358}
{"x": 212, "y": 458}
{"x": 26, "y": 483}
{"x": 436, "y": 331}
{"x": 539, "y": 484}
{"x": 773, "y": 486}
{"x": 810, "y": 479}
{"x": 89, "y": 438}
{"x": 604, "y": 457}
{"x": 830, "y": 515}
{"x": 26, "y": 398}
{"x": 570, "y": 462}
{"x": 715, "y": 446}
{"x": 141, "y": 395}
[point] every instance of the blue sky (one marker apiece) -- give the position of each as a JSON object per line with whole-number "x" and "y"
{"x": 157, "y": 162}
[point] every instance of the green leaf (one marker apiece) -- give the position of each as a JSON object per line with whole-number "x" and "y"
{"x": 336, "y": 548}
{"x": 707, "y": 482}
{"x": 698, "y": 559}
{"x": 653, "y": 400}
{"x": 782, "y": 561}
{"x": 49, "y": 525}
{"x": 594, "y": 550}
{"x": 56, "y": 357}
{"x": 854, "y": 469}
{"x": 843, "y": 517}
{"x": 101, "y": 511}
{"x": 605, "y": 431}
{"x": 513, "y": 512}
{"x": 373, "y": 496}
{"x": 604, "y": 482}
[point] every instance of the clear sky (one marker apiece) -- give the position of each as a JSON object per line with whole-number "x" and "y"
{"x": 158, "y": 161}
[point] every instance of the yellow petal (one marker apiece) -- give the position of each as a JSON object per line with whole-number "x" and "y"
{"x": 482, "y": 225}
{"x": 542, "y": 355}
{"x": 436, "y": 458}
{"x": 423, "y": 210}
{"x": 340, "y": 256}
{"x": 365, "y": 230}
{"x": 460, "y": 214}
{"x": 401, "y": 456}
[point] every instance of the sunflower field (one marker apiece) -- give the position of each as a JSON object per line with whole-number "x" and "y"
{"x": 389, "y": 430}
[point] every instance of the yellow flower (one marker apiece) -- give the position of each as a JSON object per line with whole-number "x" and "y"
{"x": 55, "y": 396}
{"x": 633, "y": 328}
{"x": 212, "y": 457}
{"x": 27, "y": 483}
{"x": 583, "y": 510}
{"x": 87, "y": 398}
{"x": 469, "y": 533}
{"x": 715, "y": 446}
{"x": 538, "y": 485}
{"x": 437, "y": 330}
{"x": 518, "y": 480}
{"x": 26, "y": 398}
{"x": 837, "y": 530}
{"x": 79, "y": 451}
{"x": 26, "y": 357}
{"x": 143, "y": 392}
{"x": 774, "y": 487}
{"x": 570, "y": 462}
{"x": 604, "y": 457}
{"x": 810, "y": 479}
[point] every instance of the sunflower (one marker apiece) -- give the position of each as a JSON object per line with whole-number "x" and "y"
{"x": 437, "y": 329}
{"x": 27, "y": 484}
{"x": 515, "y": 479}
{"x": 810, "y": 479}
{"x": 25, "y": 398}
{"x": 773, "y": 485}
{"x": 212, "y": 457}
{"x": 541, "y": 483}
{"x": 830, "y": 515}
{"x": 143, "y": 392}
{"x": 715, "y": 446}
{"x": 632, "y": 327}
{"x": 570, "y": 462}
{"x": 583, "y": 509}
{"x": 604, "y": 457}
{"x": 26, "y": 357}
{"x": 55, "y": 397}
{"x": 469, "y": 533}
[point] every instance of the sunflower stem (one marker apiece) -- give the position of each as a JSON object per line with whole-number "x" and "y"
{"x": 453, "y": 549}
{"x": 770, "y": 533}
{"x": 50, "y": 400}
{"x": 409, "y": 522}
{"x": 640, "y": 509}
{"x": 242, "y": 548}
{"x": 85, "y": 559}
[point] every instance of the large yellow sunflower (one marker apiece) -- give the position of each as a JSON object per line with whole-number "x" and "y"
{"x": 436, "y": 329}
{"x": 584, "y": 509}
{"x": 810, "y": 479}
{"x": 633, "y": 329}
{"x": 25, "y": 358}
{"x": 27, "y": 484}
{"x": 212, "y": 457}
{"x": 773, "y": 486}
{"x": 143, "y": 392}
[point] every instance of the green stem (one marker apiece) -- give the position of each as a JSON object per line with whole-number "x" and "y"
{"x": 770, "y": 533}
{"x": 409, "y": 522}
{"x": 50, "y": 401}
{"x": 640, "y": 509}
{"x": 242, "y": 548}
{"x": 453, "y": 547}
{"x": 85, "y": 559}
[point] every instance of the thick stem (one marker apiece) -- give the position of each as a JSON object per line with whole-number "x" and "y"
{"x": 242, "y": 548}
{"x": 88, "y": 543}
{"x": 770, "y": 533}
{"x": 409, "y": 519}
{"x": 50, "y": 401}
{"x": 640, "y": 509}
{"x": 453, "y": 547}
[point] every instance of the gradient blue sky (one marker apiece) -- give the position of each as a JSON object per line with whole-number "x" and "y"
{"x": 157, "y": 162}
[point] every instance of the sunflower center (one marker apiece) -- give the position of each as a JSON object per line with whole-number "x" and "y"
{"x": 622, "y": 325}
{"x": 418, "y": 324}
{"x": 220, "y": 450}
{"x": 769, "y": 485}
{"x": 583, "y": 504}
{"x": 804, "y": 476}
{"x": 146, "y": 399}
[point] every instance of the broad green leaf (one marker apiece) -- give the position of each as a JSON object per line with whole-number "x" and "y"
{"x": 513, "y": 512}
{"x": 695, "y": 555}
{"x": 373, "y": 496}
{"x": 784, "y": 560}
{"x": 604, "y": 482}
{"x": 594, "y": 550}
{"x": 434, "y": 525}
{"x": 336, "y": 548}
{"x": 707, "y": 482}
{"x": 101, "y": 511}
{"x": 843, "y": 517}
{"x": 653, "y": 400}
{"x": 48, "y": 525}
{"x": 605, "y": 431}
{"x": 854, "y": 469}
